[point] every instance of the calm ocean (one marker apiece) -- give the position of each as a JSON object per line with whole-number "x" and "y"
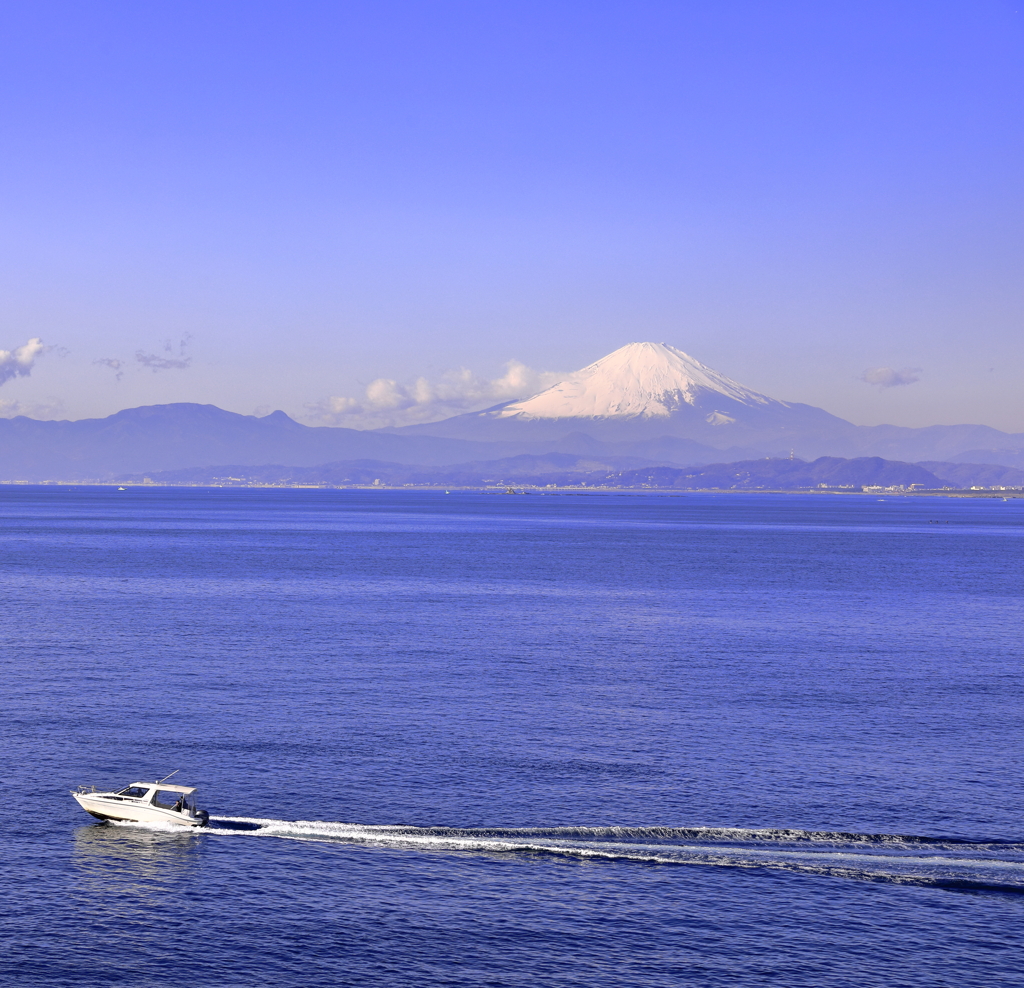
{"x": 484, "y": 740}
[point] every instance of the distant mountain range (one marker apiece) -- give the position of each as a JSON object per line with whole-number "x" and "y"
{"x": 646, "y": 405}
{"x": 564, "y": 470}
{"x": 168, "y": 437}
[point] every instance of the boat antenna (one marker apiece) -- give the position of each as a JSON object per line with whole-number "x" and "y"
{"x": 166, "y": 777}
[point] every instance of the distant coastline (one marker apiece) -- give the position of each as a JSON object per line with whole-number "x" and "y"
{"x": 997, "y": 493}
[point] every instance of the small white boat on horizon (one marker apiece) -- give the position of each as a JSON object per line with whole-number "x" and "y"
{"x": 144, "y": 802}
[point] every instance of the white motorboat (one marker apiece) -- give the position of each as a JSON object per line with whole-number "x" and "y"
{"x": 144, "y": 802}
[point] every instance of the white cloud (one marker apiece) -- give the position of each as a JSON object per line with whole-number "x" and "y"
{"x": 20, "y": 361}
{"x": 390, "y": 403}
{"x": 889, "y": 377}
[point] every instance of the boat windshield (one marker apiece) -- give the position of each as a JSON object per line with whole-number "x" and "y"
{"x": 135, "y": 792}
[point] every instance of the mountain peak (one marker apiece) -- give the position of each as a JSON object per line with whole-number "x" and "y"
{"x": 639, "y": 380}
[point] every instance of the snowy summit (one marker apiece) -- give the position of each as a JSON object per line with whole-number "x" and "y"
{"x": 639, "y": 380}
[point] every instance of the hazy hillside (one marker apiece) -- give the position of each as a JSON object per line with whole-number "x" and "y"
{"x": 569, "y": 470}
{"x": 157, "y": 438}
{"x": 980, "y": 474}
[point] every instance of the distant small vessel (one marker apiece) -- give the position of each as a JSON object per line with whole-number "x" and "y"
{"x": 144, "y": 802}
{"x": 121, "y": 488}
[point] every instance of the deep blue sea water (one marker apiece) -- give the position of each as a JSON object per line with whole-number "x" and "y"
{"x": 485, "y": 740}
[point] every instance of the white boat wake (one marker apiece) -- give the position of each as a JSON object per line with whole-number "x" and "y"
{"x": 943, "y": 862}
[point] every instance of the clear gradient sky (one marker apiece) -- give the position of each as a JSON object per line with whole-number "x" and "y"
{"x": 315, "y": 195}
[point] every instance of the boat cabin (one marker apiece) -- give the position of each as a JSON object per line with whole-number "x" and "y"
{"x": 161, "y": 794}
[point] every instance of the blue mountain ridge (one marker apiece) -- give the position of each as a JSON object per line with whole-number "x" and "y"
{"x": 157, "y": 438}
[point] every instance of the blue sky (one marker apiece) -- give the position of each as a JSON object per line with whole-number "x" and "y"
{"x": 271, "y": 205}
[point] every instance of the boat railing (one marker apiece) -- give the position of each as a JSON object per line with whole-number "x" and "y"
{"x": 87, "y": 790}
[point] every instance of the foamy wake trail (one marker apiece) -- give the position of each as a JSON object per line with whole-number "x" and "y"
{"x": 948, "y": 862}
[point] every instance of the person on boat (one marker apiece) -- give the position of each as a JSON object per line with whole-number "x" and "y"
{"x": 180, "y": 804}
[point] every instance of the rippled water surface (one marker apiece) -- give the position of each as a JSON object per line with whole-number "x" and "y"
{"x": 484, "y": 740}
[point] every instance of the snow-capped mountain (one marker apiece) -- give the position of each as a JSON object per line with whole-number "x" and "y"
{"x": 639, "y": 380}
{"x": 641, "y": 391}
{"x": 647, "y": 393}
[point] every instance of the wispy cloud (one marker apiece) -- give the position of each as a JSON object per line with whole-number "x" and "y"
{"x": 155, "y": 362}
{"x": 175, "y": 356}
{"x": 117, "y": 366}
{"x": 890, "y": 377}
{"x": 390, "y": 403}
{"x": 52, "y": 409}
{"x": 20, "y": 361}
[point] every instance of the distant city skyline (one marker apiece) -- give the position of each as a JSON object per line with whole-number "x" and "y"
{"x": 339, "y": 209}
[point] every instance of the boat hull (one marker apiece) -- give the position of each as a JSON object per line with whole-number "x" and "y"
{"x": 128, "y": 811}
